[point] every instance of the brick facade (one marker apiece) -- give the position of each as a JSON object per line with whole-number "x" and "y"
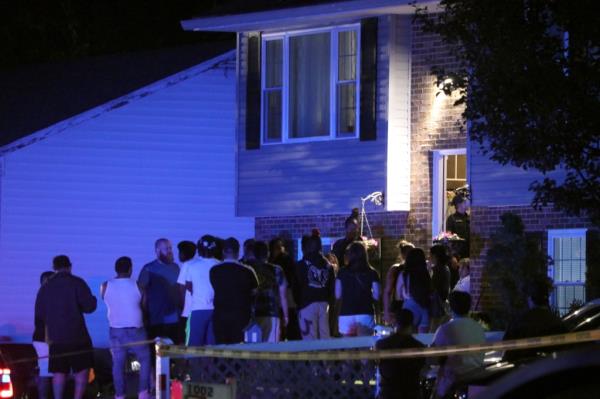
{"x": 434, "y": 126}
{"x": 486, "y": 220}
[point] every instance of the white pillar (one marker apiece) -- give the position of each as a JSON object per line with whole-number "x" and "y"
{"x": 163, "y": 376}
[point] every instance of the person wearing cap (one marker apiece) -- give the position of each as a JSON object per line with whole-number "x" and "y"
{"x": 60, "y": 305}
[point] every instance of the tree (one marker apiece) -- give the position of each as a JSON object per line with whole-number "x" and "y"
{"x": 529, "y": 79}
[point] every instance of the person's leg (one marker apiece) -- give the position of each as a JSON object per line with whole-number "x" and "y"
{"x": 293, "y": 327}
{"x": 58, "y": 384}
{"x": 119, "y": 358}
{"x": 45, "y": 377}
{"x": 307, "y": 322}
{"x": 275, "y": 330}
{"x": 210, "y": 330}
{"x": 323, "y": 321}
{"x": 81, "y": 380}
{"x": 142, "y": 353}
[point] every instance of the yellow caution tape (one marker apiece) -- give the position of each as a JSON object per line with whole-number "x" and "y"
{"x": 164, "y": 350}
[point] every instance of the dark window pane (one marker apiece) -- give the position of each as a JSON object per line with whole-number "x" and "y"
{"x": 274, "y": 63}
{"x": 347, "y": 55}
{"x": 346, "y": 109}
{"x": 272, "y": 115}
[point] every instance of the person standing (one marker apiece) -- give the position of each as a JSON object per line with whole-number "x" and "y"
{"x": 400, "y": 377}
{"x": 352, "y": 231}
{"x": 278, "y": 255}
{"x": 186, "y": 252}
{"x": 459, "y": 223}
{"x": 41, "y": 348}
{"x": 271, "y": 294}
{"x": 390, "y": 305}
{"x": 195, "y": 273}
{"x": 414, "y": 289}
{"x": 234, "y": 285}
{"x": 316, "y": 281}
{"x": 60, "y": 305}
{"x": 440, "y": 280}
{"x": 124, "y": 304}
{"x": 158, "y": 281}
{"x": 464, "y": 274}
{"x": 358, "y": 287}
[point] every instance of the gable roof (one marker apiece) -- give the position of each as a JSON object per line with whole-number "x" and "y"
{"x": 35, "y": 97}
{"x": 224, "y": 61}
{"x": 298, "y": 17}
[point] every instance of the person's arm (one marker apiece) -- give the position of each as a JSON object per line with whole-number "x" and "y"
{"x": 181, "y": 282}
{"x": 87, "y": 301}
{"x": 400, "y": 287}
{"x": 387, "y": 295}
{"x": 375, "y": 290}
{"x": 39, "y": 314}
{"x": 189, "y": 286}
{"x": 103, "y": 289}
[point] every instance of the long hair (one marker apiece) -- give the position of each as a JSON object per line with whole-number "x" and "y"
{"x": 358, "y": 259}
{"x": 417, "y": 277}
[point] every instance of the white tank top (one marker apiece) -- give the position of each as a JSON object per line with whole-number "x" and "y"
{"x": 123, "y": 300}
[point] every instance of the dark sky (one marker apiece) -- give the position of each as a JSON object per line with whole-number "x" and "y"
{"x": 38, "y": 31}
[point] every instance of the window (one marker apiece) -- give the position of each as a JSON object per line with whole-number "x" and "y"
{"x": 449, "y": 174}
{"x": 326, "y": 242}
{"x": 310, "y": 85}
{"x": 567, "y": 249}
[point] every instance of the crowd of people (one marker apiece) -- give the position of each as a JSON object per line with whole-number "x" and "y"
{"x": 218, "y": 289}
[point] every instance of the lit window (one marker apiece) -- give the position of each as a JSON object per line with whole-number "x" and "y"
{"x": 567, "y": 250}
{"x": 310, "y": 85}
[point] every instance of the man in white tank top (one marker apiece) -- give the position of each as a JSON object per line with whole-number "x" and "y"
{"x": 124, "y": 303}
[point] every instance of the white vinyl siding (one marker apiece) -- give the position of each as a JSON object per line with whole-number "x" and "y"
{"x": 160, "y": 166}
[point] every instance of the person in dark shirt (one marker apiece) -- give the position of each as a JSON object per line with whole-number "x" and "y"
{"x": 400, "y": 377}
{"x": 279, "y": 256}
{"x": 316, "y": 281}
{"x": 41, "y": 348}
{"x": 391, "y": 305}
{"x": 440, "y": 280}
{"x": 271, "y": 295}
{"x": 358, "y": 287}
{"x": 235, "y": 285}
{"x": 248, "y": 254}
{"x": 162, "y": 297}
{"x": 60, "y": 305}
{"x": 352, "y": 229}
{"x": 537, "y": 321}
{"x": 459, "y": 223}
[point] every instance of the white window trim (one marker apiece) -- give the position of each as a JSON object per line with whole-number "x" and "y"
{"x": 561, "y": 233}
{"x": 438, "y": 198}
{"x": 285, "y": 139}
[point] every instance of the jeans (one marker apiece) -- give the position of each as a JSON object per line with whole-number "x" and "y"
{"x": 123, "y": 336}
{"x": 200, "y": 328}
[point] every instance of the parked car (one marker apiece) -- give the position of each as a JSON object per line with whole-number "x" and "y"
{"x": 585, "y": 318}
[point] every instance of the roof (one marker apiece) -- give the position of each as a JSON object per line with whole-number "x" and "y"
{"x": 35, "y": 97}
{"x": 225, "y": 62}
{"x": 298, "y": 17}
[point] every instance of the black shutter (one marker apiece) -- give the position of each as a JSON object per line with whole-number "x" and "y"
{"x": 368, "y": 79}
{"x": 592, "y": 257}
{"x": 253, "y": 93}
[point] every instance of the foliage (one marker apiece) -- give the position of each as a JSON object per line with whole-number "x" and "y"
{"x": 529, "y": 78}
{"x": 513, "y": 261}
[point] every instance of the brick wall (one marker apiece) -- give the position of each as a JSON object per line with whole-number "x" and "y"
{"x": 486, "y": 220}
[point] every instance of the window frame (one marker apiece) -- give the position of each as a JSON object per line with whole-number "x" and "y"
{"x": 438, "y": 197}
{"x": 333, "y": 84}
{"x": 563, "y": 233}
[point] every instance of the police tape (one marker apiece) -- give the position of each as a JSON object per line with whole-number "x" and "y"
{"x": 165, "y": 350}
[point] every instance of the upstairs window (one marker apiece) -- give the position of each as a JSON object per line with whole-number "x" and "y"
{"x": 310, "y": 85}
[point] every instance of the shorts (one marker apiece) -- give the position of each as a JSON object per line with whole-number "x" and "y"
{"x": 66, "y": 358}
{"x": 41, "y": 348}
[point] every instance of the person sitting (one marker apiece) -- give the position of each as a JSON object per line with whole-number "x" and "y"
{"x": 400, "y": 377}
{"x": 460, "y": 330}
{"x": 537, "y": 321}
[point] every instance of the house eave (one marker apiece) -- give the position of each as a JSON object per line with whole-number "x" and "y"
{"x": 300, "y": 17}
